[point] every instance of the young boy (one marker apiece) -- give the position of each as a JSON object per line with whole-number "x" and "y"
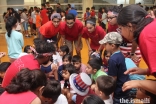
{"x": 38, "y": 22}
{"x": 105, "y": 86}
{"x": 86, "y": 15}
{"x": 80, "y": 67}
{"x": 64, "y": 49}
{"x": 52, "y": 93}
{"x": 116, "y": 64}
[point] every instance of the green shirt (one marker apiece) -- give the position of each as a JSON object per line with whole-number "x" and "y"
{"x": 97, "y": 74}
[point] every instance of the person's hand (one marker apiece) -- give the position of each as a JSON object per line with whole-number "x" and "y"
{"x": 2, "y": 54}
{"x": 134, "y": 58}
{"x": 130, "y": 84}
{"x": 136, "y": 70}
{"x": 90, "y": 51}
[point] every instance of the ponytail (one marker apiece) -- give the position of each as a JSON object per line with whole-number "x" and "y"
{"x": 11, "y": 21}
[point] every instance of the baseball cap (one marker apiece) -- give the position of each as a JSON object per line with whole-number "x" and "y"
{"x": 112, "y": 37}
{"x": 55, "y": 15}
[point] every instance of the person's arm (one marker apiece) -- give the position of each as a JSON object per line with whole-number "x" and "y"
{"x": 147, "y": 85}
{"x": 88, "y": 44}
{"x": 137, "y": 71}
{"x": 22, "y": 41}
{"x": 54, "y": 69}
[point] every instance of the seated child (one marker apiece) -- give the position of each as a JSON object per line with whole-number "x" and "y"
{"x": 106, "y": 56}
{"x": 105, "y": 86}
{"x": 66, "y": 60}
{"x": 92, "y": 99}
{"x": 81, "y": 87}
{"x": 49, "y": 68}
{"x": 3, "y": 67}
{"x": 63, "y": 50}
{"x": 116, "y": 65}
{"x": 80, "y": 67}
{"x": 27, "y": 49}
{"x": 66, "y": 72}
{"x": 94, "y": 68}
{"x": 52, "y": 93}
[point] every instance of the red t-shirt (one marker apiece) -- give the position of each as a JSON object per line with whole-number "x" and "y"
{"x": 112, "y": 28}
{"x": 147, "y": 44}
{"x": 95, "y": 36}
{"x": 26, "y": 61}
{"x": 73, "y": 33}
{"x": 44, "y": 16}
{"x": 48, "y": 30}
{"x": 92, "y": 13}
{"x": 79, "y": 98}
{"x": 19, "y": 98}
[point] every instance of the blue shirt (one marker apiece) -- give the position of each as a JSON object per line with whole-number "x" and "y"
{"x": 60, "y": 72}
{"x": 116, "y": 68}
{"x": 15, "y": 43}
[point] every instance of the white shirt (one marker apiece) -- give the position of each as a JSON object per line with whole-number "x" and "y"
{"x": 57, "y": 59}
{"x": 61, "y": 100}
{"x": 33, "y": 16}
{"x": 109, "y": 101}
{"x": 104, "y": 15}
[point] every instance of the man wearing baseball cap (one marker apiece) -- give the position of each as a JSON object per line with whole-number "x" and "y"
{"x": 51, "y": 28}
{"x": 116, "y": 64}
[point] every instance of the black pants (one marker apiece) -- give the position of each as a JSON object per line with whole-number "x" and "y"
{"x": 103, "y": 25}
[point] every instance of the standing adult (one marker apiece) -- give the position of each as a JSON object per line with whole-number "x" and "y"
{"x": 58, "y": 8}
{"x": 33, "y": 16}
{"x": 137, "y": 26}
{"x": 43, "y": 52}
{"x": 50, "y": 10}
{"x": 73, "y": 11}
{"x": 129, "y": 49}
{"x": 51, "y": 28}
{"x": 44, "y": 14}
{"x": 95, "y": 34}
{"x": 71, "y": 31}
{"x": 14, "y": 39}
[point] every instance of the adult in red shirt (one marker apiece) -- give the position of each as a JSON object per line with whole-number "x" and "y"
{"x": 136, "y": 25}
{"x": 44, "y": 14}
{"x": 129, "y": 49}
{"x": 42, "y": 55}
{"x": 50, "y": 29}
{"x": 71, "y": 32}
{"x": 95, "y": 34}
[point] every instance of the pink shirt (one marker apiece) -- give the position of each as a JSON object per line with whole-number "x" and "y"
{"x": 19, "y": 98}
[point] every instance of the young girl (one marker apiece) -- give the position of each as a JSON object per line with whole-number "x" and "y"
{"x": 106, "y": 56}
{"x": 50, "y": 70}
{"x": 66, "y": 60}
{"x": 63, "y": 13}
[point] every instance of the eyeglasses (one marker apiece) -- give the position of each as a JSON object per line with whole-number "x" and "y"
{"x": 110, "y": 18}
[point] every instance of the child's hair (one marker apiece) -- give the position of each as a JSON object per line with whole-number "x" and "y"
{"x": 36, "y": 41}
{"x": 11, "y": 21}
{"x": 105, "y": 53}
{"x": 37, "y": 11}
{"x": 52, "y": 90}
{"x": 95, "y": 63}
{"x": 106, "y": 84}
{"x": 64, "y": 48}
{"x": 93, "y": 7}
{"x": 4, "y": 66}
{"x": 70, "y": 68}
{"x": 26, "y": 48}
{"x": 76, "y": 58}
{"x": 96, "y": 56}
{"x": 88, "y": 8}
{"x": 68, "y": 56}
{"x": 92, "y": 99}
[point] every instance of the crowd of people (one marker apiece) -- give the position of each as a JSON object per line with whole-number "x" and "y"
{"x": 48, "y": 73}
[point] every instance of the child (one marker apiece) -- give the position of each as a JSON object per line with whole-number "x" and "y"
{"x": 86, "y": 15}
{"x": 38, "y": 22}
{"x": 50, "y": 69}
{"x": 92, "y": 99}
{"x": 105, "y": 86}
{"x": 94, "y": 68}
{"x": 80, "y": 83}
{"x": 66, "y": 72}
{"x": 63, "y": 13}
{"x": 79, "y": 66}
{"x": 3, "y": 67}
{"x": 27, "y": 49}
{"x": 117, "y": 65}
{"x": 106, "y": 56}
{"x": 52, "y": 93}
{"x": 66, "y": 60}
{"x": 63, "y": 50}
